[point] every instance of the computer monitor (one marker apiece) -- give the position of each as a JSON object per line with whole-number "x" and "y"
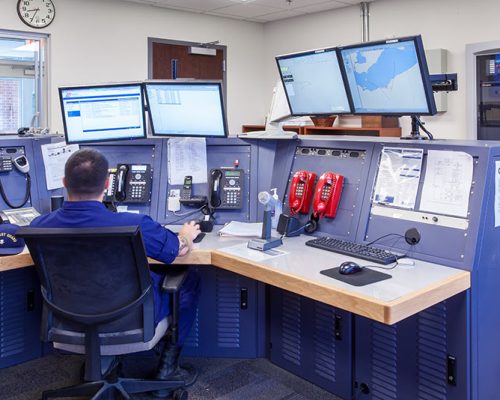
{"x": 103, "y": 112}
{"x": 313, "y": 83}
{"x": 389, "y": 77}
{"x": 178, "y": 108}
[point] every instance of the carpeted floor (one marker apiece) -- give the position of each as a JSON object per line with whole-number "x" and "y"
{"x": 221, "y": 379}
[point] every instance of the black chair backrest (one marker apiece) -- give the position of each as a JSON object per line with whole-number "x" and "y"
{"x": 87, "y": 274}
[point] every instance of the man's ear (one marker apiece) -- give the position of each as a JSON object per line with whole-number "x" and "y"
{"x": 106, "y": 183}
{"x": 65, "y": 182}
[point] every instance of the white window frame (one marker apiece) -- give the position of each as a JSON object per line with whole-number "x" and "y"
{"x": 42, "y": 100}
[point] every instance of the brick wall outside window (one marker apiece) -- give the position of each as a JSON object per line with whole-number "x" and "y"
{"x": 9, "y": 105}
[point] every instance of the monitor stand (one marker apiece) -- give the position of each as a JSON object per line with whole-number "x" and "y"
{"x": 416, "y": 124}
{"x": 274, "y": 130}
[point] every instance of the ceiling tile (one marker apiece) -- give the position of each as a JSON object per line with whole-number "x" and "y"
{"x": 285, "y": 5}
{"x": 200, "y": 6}
{"x": 328, "y": 5}
{"x": 250, "y": 10}
{"x": 278, "y": 15}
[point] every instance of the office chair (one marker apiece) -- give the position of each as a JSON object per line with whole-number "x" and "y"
{"x": 98, "y": 301}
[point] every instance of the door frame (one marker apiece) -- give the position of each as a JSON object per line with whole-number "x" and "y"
{"x": 152, "y": 40}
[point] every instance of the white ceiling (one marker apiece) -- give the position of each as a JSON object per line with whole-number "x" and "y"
{"x": 251, "y": 10}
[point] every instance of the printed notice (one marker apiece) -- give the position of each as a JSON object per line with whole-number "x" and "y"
{"x": 497, "y": 193}
{"x": 55, "y": 156}
{"x": 398, "y": 176}
{"x": 187, "y": 156}
{"x": 448, "y": 179}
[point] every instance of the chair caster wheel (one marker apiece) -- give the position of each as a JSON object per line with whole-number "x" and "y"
{"x": 180, "y": 394}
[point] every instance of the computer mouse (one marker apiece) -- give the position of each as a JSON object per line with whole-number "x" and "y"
{"x": 199, "y": 238}
{"x": 349, "y": 267}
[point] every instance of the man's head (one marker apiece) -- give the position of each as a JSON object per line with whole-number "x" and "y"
{"x": 86, "y": 175}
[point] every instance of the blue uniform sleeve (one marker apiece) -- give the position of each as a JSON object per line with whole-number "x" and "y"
{"x": 161, "y": 243}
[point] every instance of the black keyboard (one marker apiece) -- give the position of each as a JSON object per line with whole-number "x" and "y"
{"x": 353, "y": 249}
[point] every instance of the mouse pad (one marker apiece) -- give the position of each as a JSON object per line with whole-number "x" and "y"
{"x": 365, "y": 277}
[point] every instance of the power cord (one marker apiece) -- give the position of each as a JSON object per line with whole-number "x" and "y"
{"x": 27, "y": 194}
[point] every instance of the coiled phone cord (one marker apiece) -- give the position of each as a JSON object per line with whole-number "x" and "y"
{"x": 27, "y": 194}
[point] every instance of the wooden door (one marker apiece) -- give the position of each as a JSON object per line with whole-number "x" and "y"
{"x": 187, "y": 65}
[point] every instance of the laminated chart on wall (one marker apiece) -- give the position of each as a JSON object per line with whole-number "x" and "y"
{"x": 447, "y": 184}
{"x": 398, "y": 176}
{"x": 187, "y": 156}
{"x": 55, "y": 156}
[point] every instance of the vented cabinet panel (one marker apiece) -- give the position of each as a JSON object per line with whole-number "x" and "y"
{"x": 20, "y": 309}
{"x": 423, "y": 357}
{"x": 311, "y": 340}
{"x": 223, "y": 328}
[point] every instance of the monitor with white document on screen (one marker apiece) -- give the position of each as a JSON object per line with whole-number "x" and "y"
{"x": 186, "y": 108}
{"x": 94, "y": 113}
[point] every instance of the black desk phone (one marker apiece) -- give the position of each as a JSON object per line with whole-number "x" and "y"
{"x": 226, "y": 188}
{"x": 129, "y": 183}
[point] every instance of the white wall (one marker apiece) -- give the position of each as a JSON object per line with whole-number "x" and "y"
{"x": 96, "y": 41}
{"x": 448, "y": 24}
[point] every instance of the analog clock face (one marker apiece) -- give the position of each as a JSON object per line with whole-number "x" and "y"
{"x": 36, "y": 13}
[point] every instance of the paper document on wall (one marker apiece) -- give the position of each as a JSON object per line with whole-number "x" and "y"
{"x": 187, "y": 156}
{"x": 55, "y": 156}
{"x": 448, "y": 179}
{"x": 398, "y": 176}
{"x": 497, "y": 193}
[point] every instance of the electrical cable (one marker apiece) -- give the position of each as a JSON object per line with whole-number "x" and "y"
{"x": 181, "y": 218}
{"x": 188, "y": 212}
{"x": 27, "y": 194}
{"x": 382, "y": 237}
{"x": 421, "y": 124}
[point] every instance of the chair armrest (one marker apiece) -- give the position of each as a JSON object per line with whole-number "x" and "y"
{"x": 174, "y": 279}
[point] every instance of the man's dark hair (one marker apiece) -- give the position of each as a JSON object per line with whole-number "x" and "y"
{"x": 86, "y": 172}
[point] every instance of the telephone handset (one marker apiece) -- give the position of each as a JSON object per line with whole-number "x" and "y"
{"x": 129, "y": 183}
{"x": 301, "y": 191}
{"x": 327, "y": 195}
{"x": 226, "y": 188}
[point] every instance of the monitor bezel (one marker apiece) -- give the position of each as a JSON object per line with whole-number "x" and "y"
{"x": 307, "y": 53}
{"x": 424, "y": 72}
{"x": 97, "y": 86}
{"x": 193, "y": 83}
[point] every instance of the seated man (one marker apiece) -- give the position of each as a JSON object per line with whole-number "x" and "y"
{"x": 86, "y": 179}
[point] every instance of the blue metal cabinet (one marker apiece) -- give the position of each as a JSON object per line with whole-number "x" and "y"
{"x": 311, "y": 340}
{"x": 20, "y": 311}
{"x": 224, "y": 327}
{"x": 424, "y": 357}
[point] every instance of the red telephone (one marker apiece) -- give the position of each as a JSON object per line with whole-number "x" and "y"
{"x": 301, "y": 192}
{"x": 327, "y": 196}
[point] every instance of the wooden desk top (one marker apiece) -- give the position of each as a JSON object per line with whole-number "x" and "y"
{"x": 411, "y": 289}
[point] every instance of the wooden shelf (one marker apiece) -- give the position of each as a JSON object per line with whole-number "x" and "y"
{"x": 253, "y": 128}
{"x": 340, "y": 130}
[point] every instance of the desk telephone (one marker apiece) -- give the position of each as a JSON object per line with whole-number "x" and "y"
{"x": 226, "y": 188}
{"x": 129, "y": 183}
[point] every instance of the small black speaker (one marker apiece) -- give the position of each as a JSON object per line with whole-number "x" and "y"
{"x": 56, "y": 202}
{"x": 289, "y": 226}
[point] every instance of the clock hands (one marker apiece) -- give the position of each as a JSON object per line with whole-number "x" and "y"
{"x": 36, "y": 10}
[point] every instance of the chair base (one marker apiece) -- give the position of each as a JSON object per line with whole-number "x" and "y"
{"x": 101, "y": 390}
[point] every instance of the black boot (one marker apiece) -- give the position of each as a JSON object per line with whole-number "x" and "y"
{"x": 168, "y": 367}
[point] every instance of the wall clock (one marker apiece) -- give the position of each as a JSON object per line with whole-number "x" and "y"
{"x": 36, "y": 13}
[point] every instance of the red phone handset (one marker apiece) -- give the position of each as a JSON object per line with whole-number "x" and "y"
{"x": 301, "y": 192}
{"x": 327, "y": 196}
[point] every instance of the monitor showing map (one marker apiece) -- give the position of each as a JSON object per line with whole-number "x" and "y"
{"x": 389, "y": 77}
{"x": 313, "y": 83}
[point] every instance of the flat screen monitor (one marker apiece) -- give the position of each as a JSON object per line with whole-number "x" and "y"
{"x": 389, "y": 77}
{"x": 103, "y": 112}
{"x": 313, "y": 82}
{"x": 186, "y": 108}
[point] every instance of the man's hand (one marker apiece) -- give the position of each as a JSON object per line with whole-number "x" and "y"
{"x": 187, "y": 234}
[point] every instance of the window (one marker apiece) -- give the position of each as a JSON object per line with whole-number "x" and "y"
{"x": 23, "y": 81}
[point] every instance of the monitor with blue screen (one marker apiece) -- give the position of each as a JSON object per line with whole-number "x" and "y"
{"x": 389, "y": 77}
{"x": 313, "y": 83}
{"x": 178, "y": 108}
{"x": 103, "y": 112}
